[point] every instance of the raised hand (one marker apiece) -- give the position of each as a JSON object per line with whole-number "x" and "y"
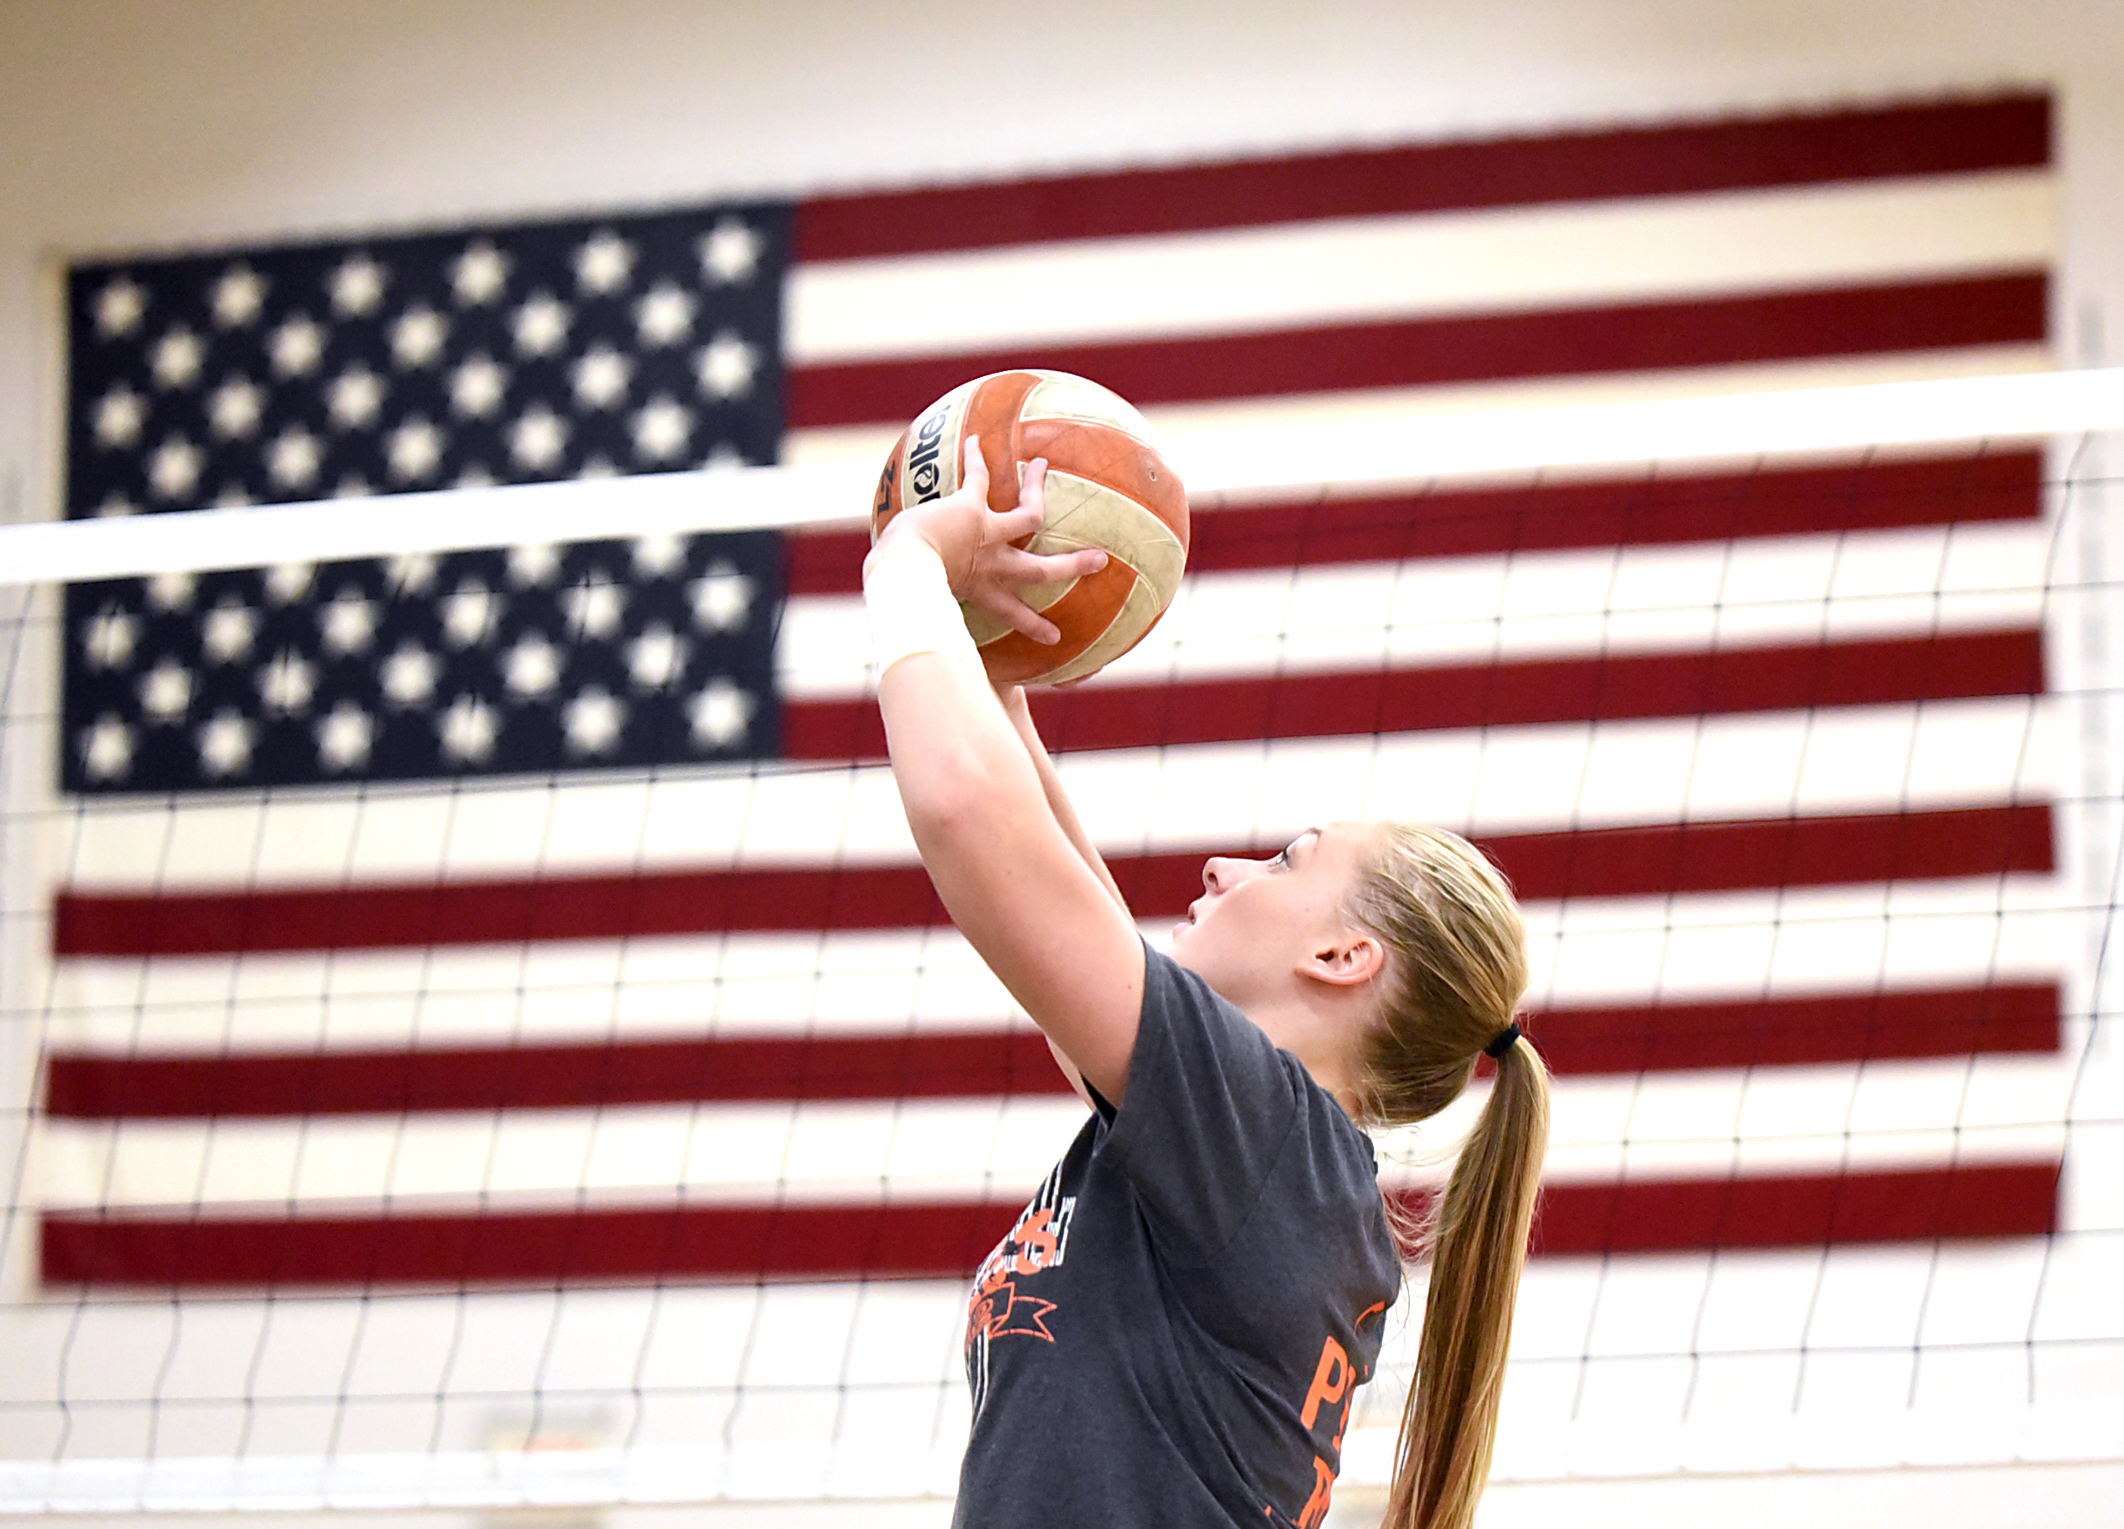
{"x": 976, "y": 547}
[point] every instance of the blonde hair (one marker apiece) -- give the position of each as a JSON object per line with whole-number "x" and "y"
{"x": 1454, "y": 980}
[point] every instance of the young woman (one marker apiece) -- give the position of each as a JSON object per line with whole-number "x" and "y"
{"x": 1175, "y": 1330}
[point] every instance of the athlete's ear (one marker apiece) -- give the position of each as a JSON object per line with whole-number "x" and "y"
{"x": 1353, "y": 958}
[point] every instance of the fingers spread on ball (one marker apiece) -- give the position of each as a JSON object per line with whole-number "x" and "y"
{"x": 1013, "y": 612}
{"x": 973, "y": 479}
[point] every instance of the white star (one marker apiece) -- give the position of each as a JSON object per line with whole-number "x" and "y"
{"x": 730, "y": 252}
{"x": 171, "y": 591}
{"x": 721, "y": 714}
{"x": 166, "y": 690}
{"x": 353, "y": 486}
{"x": 354, "y": 398}
{"x": 235, "y": 407}
{"x": 287, "y": 683}
{"x": 604, "y": 262}
{"x": 115, "y": 503}
{"x": 661, "y": 430}
{"x": 294, "y": 457}
{"x": 296, "y": 347}
{"x": 119, "y": 416}
{"x": 722, "y": 598}
{"x": 410, "y": 573}
{"x": 409, "y": 675}
{"x": 176, "y": 358}
{"x": 533, "y": 565}
{"x": 345, "y": 736}
{"x": 119, "y": 306}
{"x": 110, "y": 637}
{"x": 665, "y": 315}
{"x": 726, "y": 365}
{"x": 288, "y": 582}
{"x": 541, "y": 325}
{"x": 417, "y": 338}
{"x": 601, "y": 377}
{"x": 225, "y": 743}
{"x": 107, "y": 748}
{"x": 348, "y": 622}
{"x": 358, "y": 285}
{"x": 594, "y": 604}
{"x": 415, "y": 448}
{"x": 531, "y": 668}
{"x": 656, "y": 658}
{"x": 238, "y": 296}
{"x": 469, "y": 613}
{"x": 476, "y": 388}
{"x": 479, "y": 274}
{"x": 468, "y": 729}
{"x": 174, "y": 466}
{"x": 232, "y": 497}
{"x": 537, "y": 439}
{"x": 228, "y": 631}
{"x": 656, "y": 556}
{"x": 593, "y": 720}
{"x": 475, "y": 476}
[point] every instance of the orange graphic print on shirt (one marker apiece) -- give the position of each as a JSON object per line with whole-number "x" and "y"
{"x": 1001, "y": 1312}
{"x": 1335, "y": 1379}
{"x": 997, "y": 1309}
{"x": 1000, "y": 1307}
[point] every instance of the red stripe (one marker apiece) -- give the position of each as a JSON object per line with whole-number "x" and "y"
{"x": 1678, "y": 1215}
{"x": 1635, "y": 512}
{"x": 2007, "y": 132}
{"x": 946, "y": 1240}
{"x": 709, "y": 1070}
{"x": 1777, "y": 326}
{"x": 1606, "y": 687}
{"x": 877, "y": 1241}
{"x": 1802, "y": 852}
{"x": 1841, "y": 1027}
{"x": 1797, "y": 1032}
{"x": 1594, "y": 862}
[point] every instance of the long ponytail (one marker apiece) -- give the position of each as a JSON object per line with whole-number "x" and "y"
{"x": 1478, "y": 1247}
{"x": 1458, "y": 971}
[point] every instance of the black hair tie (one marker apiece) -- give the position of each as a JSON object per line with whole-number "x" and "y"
{"x": 1503, "y": 1043}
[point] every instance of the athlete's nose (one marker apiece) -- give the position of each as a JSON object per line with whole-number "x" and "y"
{"x": 1220, "y": 873}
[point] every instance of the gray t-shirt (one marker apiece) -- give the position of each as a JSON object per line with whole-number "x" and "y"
{"x": 1173, "y": 1332}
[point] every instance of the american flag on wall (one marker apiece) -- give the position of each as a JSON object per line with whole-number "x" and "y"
{"x": 616, "y": 965}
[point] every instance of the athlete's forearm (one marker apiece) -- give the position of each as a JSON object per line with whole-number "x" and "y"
{"x": 1058, "y": 802}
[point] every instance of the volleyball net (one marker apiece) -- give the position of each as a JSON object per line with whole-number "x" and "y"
{"x": 477, "y": 1034}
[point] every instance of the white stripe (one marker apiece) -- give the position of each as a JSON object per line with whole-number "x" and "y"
{"x": 1536, "y": 604}
{"x": 1220, "y": 448}
{"x": 1592, "y": 951}
{"x": 1419, "y": 265}
{"x": 735, "y": 1154}
{"x": 1696, "y": 1125}
{"x": 1209, "y": 797}
{"x": 1806, "y": 1119}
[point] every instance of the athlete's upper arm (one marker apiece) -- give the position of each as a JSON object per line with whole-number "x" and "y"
{"x": 1008, "y": 874}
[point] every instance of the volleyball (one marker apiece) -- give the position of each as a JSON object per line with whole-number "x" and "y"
{"x": 1108, "y": 486}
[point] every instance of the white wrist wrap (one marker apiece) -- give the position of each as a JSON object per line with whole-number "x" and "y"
{"x": 908, "y": 596}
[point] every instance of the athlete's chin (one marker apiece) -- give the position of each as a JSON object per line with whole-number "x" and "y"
{"x": 1189, "y": 956}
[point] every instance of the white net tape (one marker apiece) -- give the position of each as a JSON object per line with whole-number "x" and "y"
{"x": 1362, "y": 447}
